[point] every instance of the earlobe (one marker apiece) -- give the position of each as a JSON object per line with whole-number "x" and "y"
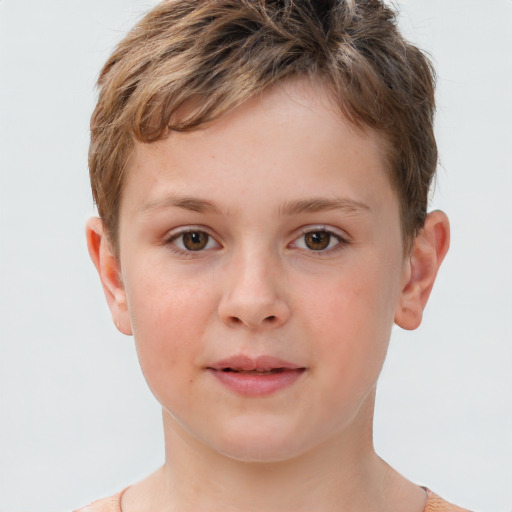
{"x": 428, "y": 251}
{"x": 107, "y": 265}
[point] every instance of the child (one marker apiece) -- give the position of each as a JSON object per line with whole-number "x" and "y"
{"x": 261, "y": 171}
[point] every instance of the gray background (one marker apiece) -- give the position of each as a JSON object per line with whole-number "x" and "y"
{"x": 76, "y": 419}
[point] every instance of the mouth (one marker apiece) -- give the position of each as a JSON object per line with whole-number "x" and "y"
{"x": 257, "y": 371}
{"x": 257, "y": 377}
{"x": 259, "y": 364}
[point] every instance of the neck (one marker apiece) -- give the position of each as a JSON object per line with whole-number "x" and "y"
{"x": 341, "y": 474}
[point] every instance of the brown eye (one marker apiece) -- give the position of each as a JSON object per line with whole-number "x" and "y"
{"x": 317, "y": 240}
{"x": 320, "y": 240}
{"x": 192, "y": 240}
{"x": 195, "y": 240}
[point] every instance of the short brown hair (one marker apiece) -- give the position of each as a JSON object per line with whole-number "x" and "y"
{"x": 216, "y": 54}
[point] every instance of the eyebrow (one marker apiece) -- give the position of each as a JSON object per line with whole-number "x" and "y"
{"x": 321, "y": 204}
{"x": 193, "y": 204}
{"x": 312, "y": 205}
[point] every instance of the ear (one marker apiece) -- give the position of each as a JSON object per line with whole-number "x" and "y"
{"x": 107, "y": 265}
{"x": 428, "y": 251}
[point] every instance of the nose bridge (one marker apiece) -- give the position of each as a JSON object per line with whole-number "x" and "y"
{"x": 253, "y": 296}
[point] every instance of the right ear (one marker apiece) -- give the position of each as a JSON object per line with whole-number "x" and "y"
{"x": 107, "y": 265}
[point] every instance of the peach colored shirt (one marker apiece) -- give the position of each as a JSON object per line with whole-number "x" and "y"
{"x": 113, "y": 504}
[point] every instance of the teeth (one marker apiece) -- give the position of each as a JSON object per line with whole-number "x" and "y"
{"x": 260, "y": 371}
{"x": 252, "y": 372}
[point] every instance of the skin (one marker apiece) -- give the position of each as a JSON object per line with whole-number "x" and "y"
{"x": 256, "y": 182}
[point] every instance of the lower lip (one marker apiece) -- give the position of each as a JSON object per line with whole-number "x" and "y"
{"x": 257, "y": 385}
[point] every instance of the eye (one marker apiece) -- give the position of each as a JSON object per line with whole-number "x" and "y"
{"x": 193, "y": 240}
{"x": 318, "y": 240}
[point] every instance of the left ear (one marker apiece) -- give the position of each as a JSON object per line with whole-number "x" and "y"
{"x": 428, "y": 251}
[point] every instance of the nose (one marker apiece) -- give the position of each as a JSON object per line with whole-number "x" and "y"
{"x": 252, "y": 297}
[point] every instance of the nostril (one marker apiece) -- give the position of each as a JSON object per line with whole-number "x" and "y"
{"x": 252, "y": 321}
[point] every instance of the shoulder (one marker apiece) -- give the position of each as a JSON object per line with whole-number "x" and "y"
{"x": 437, "y": 504}
{"x": 111, "y": 504}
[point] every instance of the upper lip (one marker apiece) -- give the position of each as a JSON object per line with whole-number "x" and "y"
{"x": 246, "y": 363}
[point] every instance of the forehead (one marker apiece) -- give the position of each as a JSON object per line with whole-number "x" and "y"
{"x": 292, "y": 136}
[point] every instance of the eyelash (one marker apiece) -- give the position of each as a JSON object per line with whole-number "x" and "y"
{"x": 342, "y": 242}
{"x": 171, "y": 239}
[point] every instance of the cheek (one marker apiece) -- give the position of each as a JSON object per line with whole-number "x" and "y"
{"x": 166, "y": 305}
{"x": 351, "y": 300}
{"x": 351, "y": 319}
{"x": 169, "y": 318}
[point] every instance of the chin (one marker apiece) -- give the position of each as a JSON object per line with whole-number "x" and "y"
{"x": 260, "y": 445}
{"x": 262, "y": 453}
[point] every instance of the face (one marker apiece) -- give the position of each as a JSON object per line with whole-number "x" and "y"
{"x": 261, "y": 261}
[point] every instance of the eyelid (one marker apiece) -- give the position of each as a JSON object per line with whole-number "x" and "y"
{"x": 177, "y": 232}
{"x": 341, "y": 236}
